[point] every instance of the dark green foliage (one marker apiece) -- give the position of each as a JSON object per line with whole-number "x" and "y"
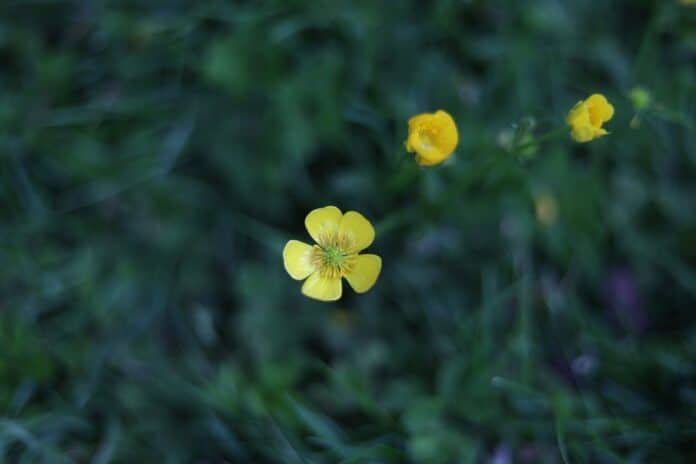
{"x": 156, "y": 155}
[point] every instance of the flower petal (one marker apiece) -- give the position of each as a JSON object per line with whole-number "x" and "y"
{"x": 357, "y": 230}
{"x": 579, "y": 120}
{"x": 417, "y": 120}
{"x": 426, "y": 153}
{"x": 364, "y": 273}
{"x": 322, "y": 288}
{"x": 430, "y": 157}
{"x": 322, "y": 223}
{"x": 297, "y": 259}
{"x": 448, "y": 136}
{"x": 601, "y": 110}
{"x": 583, "y": 133}
{"x": 578, "y": 114}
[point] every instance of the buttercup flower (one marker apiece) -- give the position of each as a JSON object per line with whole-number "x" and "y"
{"x": 432, "y": 136}
{"x": 339, "y": 239}
{"x": 587, "y": 116}
{"x": 546, "y": 208}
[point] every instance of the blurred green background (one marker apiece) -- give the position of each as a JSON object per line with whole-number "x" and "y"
{"x": 155, "y": 156}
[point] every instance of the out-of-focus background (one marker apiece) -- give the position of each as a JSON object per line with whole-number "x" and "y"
{"x": 535, "y": 306}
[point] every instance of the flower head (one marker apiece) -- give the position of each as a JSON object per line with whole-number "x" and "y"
{"x": 339, "y": 239}
{"x": 587, "y": 116}
{"x": 546, "y": 208}
{"x": 432, "y": 136}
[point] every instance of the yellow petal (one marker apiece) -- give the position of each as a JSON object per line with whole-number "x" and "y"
{"x": 412, "y": 141}
{"x": 419, "y": 119}
{"x": 578, "y": 114}
{"x": 583, "y": 133}
{"x": 430, "y": 158}
{"x": 358, "y": 231}
{"x": 579, "y": 120}
{"x": 364, "y": 273}
{"x": 322, "y": 223}
{"x": 322, "y": 288}
{"x": 427, "y": 154}
{"x": 448, "y": 136}
{"x": 600, "y": 109}
{"x": 297, "y": 258}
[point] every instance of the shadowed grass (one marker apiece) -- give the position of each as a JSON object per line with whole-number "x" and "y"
{"x": 155, "y": 157}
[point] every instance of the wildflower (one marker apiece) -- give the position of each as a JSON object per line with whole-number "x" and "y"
{"x": 546, "y": 209}
{"x": 587, "y": 116}
{"x": 432, "y": 136}
{"x": 339, "y": 239}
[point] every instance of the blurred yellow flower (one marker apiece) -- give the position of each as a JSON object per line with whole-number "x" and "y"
{"x": 587, "y": 116}
{"x": 432, "y": 136}
{"x": 546, "y": 208}
{"x": 688, "y": 2}
{"x": 339, "y": 239}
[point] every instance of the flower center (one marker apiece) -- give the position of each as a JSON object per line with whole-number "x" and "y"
{"x": 333, "y": 256}
{"x": 426, "y": 135}
{"x": 425, "y": 138}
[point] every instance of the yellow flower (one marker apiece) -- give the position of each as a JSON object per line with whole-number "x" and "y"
{"x": 688, "y": 2}
{"x": 546, "y": 208}
{"x": 587, "y": 116}
{"x": 339, "y": 239}
{"x": 432, "y": 136}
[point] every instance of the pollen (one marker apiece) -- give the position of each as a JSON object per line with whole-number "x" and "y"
{"x": 333, "y": 256}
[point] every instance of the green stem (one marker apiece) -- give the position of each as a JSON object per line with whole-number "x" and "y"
{"x": 550, "y": 135}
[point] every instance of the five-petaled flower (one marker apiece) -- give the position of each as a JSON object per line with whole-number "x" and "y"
{"x": 587, "y": 116}
{"x": 339, "y": 239}
{"x": 432, "y": 136}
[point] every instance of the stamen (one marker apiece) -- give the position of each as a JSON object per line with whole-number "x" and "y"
{"x": 333, "y": 256}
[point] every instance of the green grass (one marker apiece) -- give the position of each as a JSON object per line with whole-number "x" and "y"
{"x": 155, "y": 157}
